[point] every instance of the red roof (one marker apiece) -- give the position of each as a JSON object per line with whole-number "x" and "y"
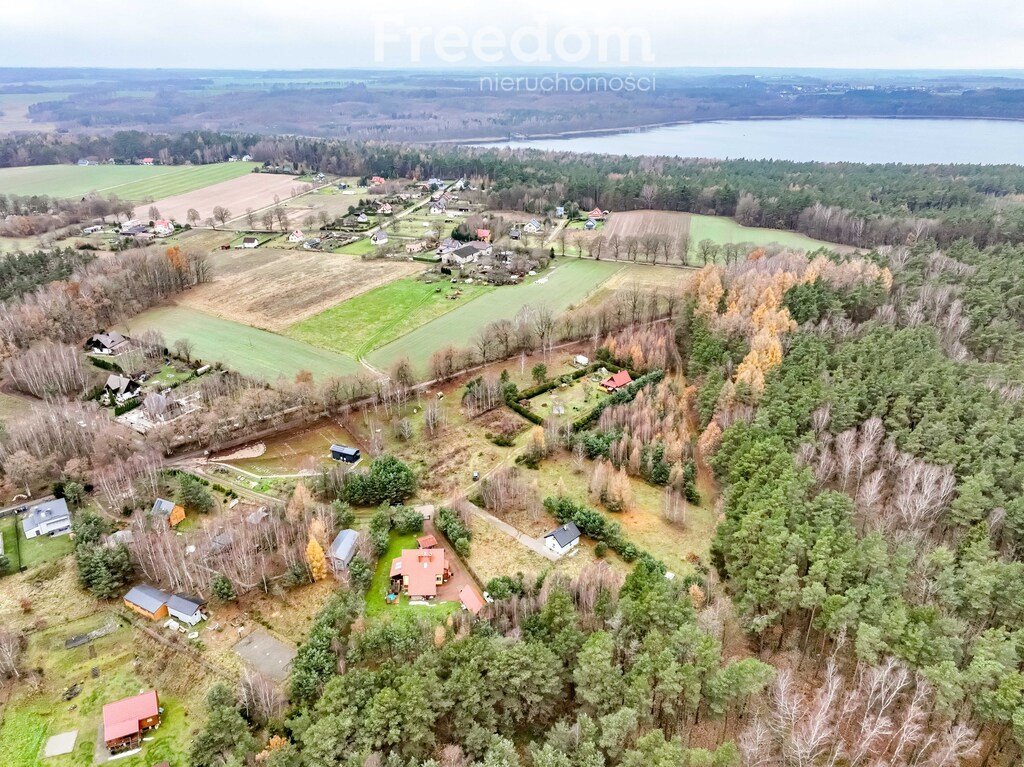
{"x": 121, "y": 718}
{"x": 617, "y": 380}
{"x": 423, "y": 568}
{"x": 483, "y": 234}
{"x": 426, "y": 542}
{"x": 596, "y": 213}
{"x": 471, "y": 599}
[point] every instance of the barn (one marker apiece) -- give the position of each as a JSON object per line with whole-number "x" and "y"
{"x": 345, "y": 454}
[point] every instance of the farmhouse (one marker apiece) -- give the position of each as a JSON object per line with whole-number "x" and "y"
{"x": 560, "y": 211}
{"x": 597, "y": 214}
{"x": 376, "y": 181}
{"x": 342, "y": 549}
{"x": 563, "y": 539}
{"x": 250, "y": 242}
{"x": 362, "y": 218}
{"x": 533, "y": 226}
{"x": 483, "y": 234}
{"x": 437, "y": 208}
{"x": 125, "y": 720}
{"x": 345, "y": 453}
{"x": 148, "y": 601}
{"x": 120, "y": 388}
{"x": 471, "y": 599}
{"x": 147, "y": 160}
{"x": 134, "y": 226}
{"x": 50, "y": 518}
{"x": 107, "y": 343}
{"x": 296, "y": 236}
{"x": 616, "y": 381}
{"x": 93, "y": 229}
{"x": 162, "y": 228}
{"x": 467, "y": 254}
{"x": 590, "y": 225}
{"x": 447, "y": 246}
{"x": 418, "y": 572}
{"x": 173, "y": 513}
{"x": 384, "y": 209}
{"x": 380, "y": 237}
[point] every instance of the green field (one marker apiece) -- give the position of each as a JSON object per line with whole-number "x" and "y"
{"x": 722, "y": 231}
{"x": 569, "y": 283}
{"x": 396, "y": 309}
{"x": 129, "y": 182}
{"x": 357, "y": 248}
{"x": 248, "y": 350}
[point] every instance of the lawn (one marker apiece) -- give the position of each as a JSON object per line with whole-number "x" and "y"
{"x": 34, "y": 551}
{"x": 12, "y": 407}
{"x": 357, "y": 248}
{"x": 722, "y": 230}
{"x": 568, "y": 284}
{"x": 248, "y": 350}
{"x": 375, "y": 603}
{"x": 168, "y": 375}
{"x": 129, "y": 182}
{"x": 395, "y": 309}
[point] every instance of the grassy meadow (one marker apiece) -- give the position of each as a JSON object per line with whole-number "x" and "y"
{"x": 568, "y": 284}
{"x": 722, "y": 231}
{"x": 379, "y": 316}
{"x": 246, "y": 349}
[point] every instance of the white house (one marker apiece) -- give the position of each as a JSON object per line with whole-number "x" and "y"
{"x": 380, "y": 237}
{"x": 250, "y": 242}
{"x": 532, "y": 227}
{"x": 362, "y": 218}
{"x": 580, "y": 361}
{"x": 48, "y": 518}
{"x": 296, "y": 236}
{"x": 162, "y": 228}
{"x": 563, "y": 539}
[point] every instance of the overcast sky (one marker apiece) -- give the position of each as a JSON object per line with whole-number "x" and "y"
{"x": 916, "y": 34}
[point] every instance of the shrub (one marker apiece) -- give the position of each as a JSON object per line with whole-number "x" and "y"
{"x": 388, "y": 480}
{"x": 407, "y": 520}
{"x": 222, "y": 588}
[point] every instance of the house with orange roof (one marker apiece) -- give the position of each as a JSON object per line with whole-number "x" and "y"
{"x": 125, "y": 720}
{"x": 426, "y": 542}
{"x": 484, "y": 235}
{"x": 471, "y": 599}
{"x": 418, "y": 572}
{"x": 616, "y": 381}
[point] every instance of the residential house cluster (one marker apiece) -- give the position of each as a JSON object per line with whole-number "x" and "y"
{"x": 156, "y": 604}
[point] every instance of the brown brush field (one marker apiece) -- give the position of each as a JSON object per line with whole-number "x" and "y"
{"x": 272, "y": 289}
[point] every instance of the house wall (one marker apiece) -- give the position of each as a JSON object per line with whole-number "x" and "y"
{"x": 191, "y": 620}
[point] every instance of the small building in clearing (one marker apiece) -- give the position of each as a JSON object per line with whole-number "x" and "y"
{"x": 296, "y": 236}
{"x": 345, "y": 454}
{"x": 563, "y": 539}
{"x": 162, "y": 228}
{"x": 169, "y": 510}
{"x": 148, "y": 601}
{"x": 342, "y": 549}
{"x": 471, "y": 599}
{"x": 426, "y": 542}
{"x": 185, "y": 608}
{"x": 125, "y": 720}
{"x": 107, "y": 343}
{"x": 250, "y": 242}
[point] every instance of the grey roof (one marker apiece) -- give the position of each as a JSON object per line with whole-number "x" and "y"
{"x": 108, "y": 340}
{"x": 163, "y": 507}
{"x": 120, "y": 384}
{"x": 149, "y": 598}
{"x": 565, "y": 534}
{"x": 344, "y": 546}
{"x": 184, "y": 604}
{"x": 48, "y": 511}
{"x": 257, "y": 516}
{"x": 465, "y": 251}
{"x": 344, "y": 449}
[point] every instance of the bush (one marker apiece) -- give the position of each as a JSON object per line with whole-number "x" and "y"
{"x": 388, "y": 480}
{"x": 452, "y": 528}
{"x": 600, "y": 549}
{"x": 193, "y": 495}
{"x": 222, "y": 588}
{"x": 407, "y": 520}
{"x": 344, "y": 516}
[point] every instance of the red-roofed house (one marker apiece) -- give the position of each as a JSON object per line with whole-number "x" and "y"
{"x": 617, "y": 381}
{"x": 597, "y": 214}
{"x": 162, "y": 228}
{"x": 471, "y": 599}
{"x": 483, "y": 234}
{"x": 426, "y": 542}
{"x": 125, "y": 720}
{"x": 376, "y": 181}
{"x": 147, "y": 160}
{"x": 420, "y": 572}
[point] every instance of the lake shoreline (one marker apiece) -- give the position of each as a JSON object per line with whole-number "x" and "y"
{"x": 491, "y": 141}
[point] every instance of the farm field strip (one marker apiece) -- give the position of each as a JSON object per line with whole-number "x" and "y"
{"x": 396, "y": 308}
{"x": 568, "y": 284}
{"x": 246, "y": 349}
{"x": 130, "y": 182}
{"x": 719, "y": 229}
{"x": 252, "y": 190}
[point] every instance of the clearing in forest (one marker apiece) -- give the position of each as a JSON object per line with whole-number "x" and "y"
{"x": 719, "y": 229}
{"x": 252, "y": 190}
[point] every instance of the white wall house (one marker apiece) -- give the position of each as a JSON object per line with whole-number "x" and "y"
{"x": 49, "y": 518}
{"x": 563, "y": 539}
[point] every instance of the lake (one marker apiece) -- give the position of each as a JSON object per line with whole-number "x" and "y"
{"x": 814, "y": 139}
